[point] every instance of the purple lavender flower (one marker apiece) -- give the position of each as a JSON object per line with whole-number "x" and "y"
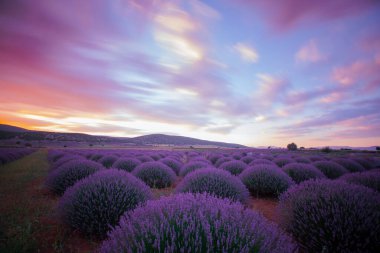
{"x": 332, "y": 216}
{"x": 300, "y": 172}
{"x": 95, "y": 204}
{"x": 214, "y": 181}
{"x": 155, "y": 174}
{"x": 265, "y": 180}
{"x": 195, "y": 223}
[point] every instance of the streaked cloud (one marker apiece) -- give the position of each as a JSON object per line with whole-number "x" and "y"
{"x": 246, "y": 52}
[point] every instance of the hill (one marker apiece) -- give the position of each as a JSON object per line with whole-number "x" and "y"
{"x": 10, "y": 132}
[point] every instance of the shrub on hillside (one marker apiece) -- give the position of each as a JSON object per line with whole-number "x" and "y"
{"x": 266, "y": 180}
{"x": 195, "y": 223}
{"x": 332, "y": 216}
{"x": 95, "y": 204}
{"x": 155, "y": 174}
{"x": 214, "y": 181}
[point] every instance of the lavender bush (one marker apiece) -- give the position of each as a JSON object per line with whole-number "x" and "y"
{"x": 265, "y": 180}
{"x": 126, "y": 163}
{"x": 195, "y": 223}
{"x": 332, "y": 216}
{"x": 282, "y": 161}
{"x": 331, "y": 170}
{"x": 95, "y": 204}
{"x": 108, "y": 160}
{"x": 371, "y": 179}
{"x": 349, "y": 164}
{"x": 173, "y": 164}
{"x": 217, "y": 182}
{"x": 222, "y": 160}
{"x": 300, "y": 172}
{"x": 234, "y": 167}
{"x": 191, "y": 166}
{"x": 155, "y": 174}
{"x": 69, "y": 173}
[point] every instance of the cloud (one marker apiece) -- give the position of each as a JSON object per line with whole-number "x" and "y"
{"x": 357, "y": 73}
{"x": 246, "y": 52}
{"x": 287, "y": 14}
{"x": 309, "y": 53}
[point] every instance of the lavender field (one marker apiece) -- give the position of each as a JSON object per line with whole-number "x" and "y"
{"x": 165, "y": 126}
{"x": 216, "y": 200}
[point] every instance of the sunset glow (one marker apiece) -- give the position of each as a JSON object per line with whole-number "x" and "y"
{"x": 258, "y": 73}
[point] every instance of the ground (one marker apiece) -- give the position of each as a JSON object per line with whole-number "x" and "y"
{"x": 28, "y": 218}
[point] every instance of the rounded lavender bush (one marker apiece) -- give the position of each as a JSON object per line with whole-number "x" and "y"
{"x": 332, "y": 216}
{"x": 349, "y": 164}
{"x": 300, "y": 172}
{"x": 69, "y": 173}
{"x": 155, "y": 174}
{"x": 331, "y": 170}
{"x": 173, "y": 164}
{"x": 195, "y": 223}
{"x": 302, "y": 160}
{"x": 214, "y": 181}
{"x": 145, "y": 158}
{"x": 262, "y": 161}
{"x": 126, "y": 163}
{"x": 234, "y": 167}
{"x": 222, "y": 160}
{"x": 367, "y": 164}
{"x": 247, "y": 159}
{"x": 266, "y": 180}
{"x": 95, "y": 203}
{"x": 370, "y": 179}
{"x": 191, "y": 166}
{"x": 282, "y": 161}
{"x": 108, "y": 160}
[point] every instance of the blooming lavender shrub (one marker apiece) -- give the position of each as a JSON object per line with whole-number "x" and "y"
{"x": 222, "y": 160}
{"x": 234, "y": 167}
{"x": 371, "y": 179}
{"x": 145, "y": 158}
{"x": 332, "y": 216}
{"x": 261, "y": 161}
{"x": 247, "y": 159}
{"x": 173, "y": 164}
{"x": 214, "y": 181}
{"x": 282, "y": 161}
{"x": 95, "y": 204}
{"x": 155, "y": 174}
{"x": 195, "y": 223}
{"x": 191, "y": 166}
{"x": 367, "y": 164}
{"x": 349, "y": 164}
{"x": 69, "y": 173}
{"x": 108, "y": 160}
{"x": 266, "y": 180}
{"x": 126, "y": 163}
{"x": 331, "y": 170}
{"x": 300, "y": 172}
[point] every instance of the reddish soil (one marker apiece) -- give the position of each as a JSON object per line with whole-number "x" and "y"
{"x": 266, "y": 206}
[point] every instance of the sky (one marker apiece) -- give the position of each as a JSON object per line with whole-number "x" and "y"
{"x": 258, "y": 73}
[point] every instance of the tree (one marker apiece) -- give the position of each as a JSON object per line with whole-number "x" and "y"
{"x": 326, "y": 149}
{"x": 292, "y": 146}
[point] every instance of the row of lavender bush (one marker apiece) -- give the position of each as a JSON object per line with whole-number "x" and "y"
{"x": 11, "y": 154}
{"x": 94, "y": 198}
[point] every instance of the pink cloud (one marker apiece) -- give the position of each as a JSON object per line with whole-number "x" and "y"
{"x": 289, "y": 13}
{"x": 309, "y": 53}
{"x": 356, "y": 73}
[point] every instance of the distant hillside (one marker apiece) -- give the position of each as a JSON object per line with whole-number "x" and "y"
{"x": 8, "y": 128}
{"x": 152, "y": 139}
